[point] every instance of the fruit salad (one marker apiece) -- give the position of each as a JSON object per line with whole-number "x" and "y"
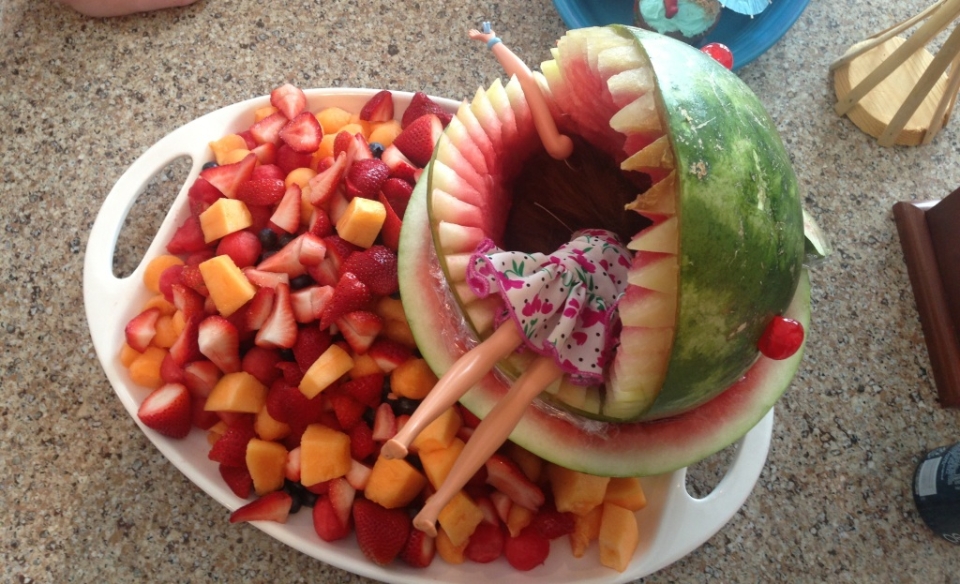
{"x": 275, "y": 326}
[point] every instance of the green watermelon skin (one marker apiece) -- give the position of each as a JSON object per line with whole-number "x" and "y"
{"x": 592, "y": 446}
{"x": 741, "y": 225}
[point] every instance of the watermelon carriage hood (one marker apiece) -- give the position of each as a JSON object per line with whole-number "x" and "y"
{"x": 718, "y": 253}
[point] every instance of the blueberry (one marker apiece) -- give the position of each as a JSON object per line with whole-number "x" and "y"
{"x": 300, "y": 282}
{"x": 404, "y": 406}
{"x": 286, "y": 238}
{"x": 268, "y": 239}
{"x": 210, "y": 164}
{"x": 376, "y": 148}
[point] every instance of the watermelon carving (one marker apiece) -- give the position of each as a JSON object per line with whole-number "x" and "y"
{"x": 716, "y": 231}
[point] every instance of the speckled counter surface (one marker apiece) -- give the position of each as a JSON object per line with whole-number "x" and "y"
{"x": 85, "y": 497}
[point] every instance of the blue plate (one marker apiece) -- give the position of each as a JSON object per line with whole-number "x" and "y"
{"x": 746, "y": 37}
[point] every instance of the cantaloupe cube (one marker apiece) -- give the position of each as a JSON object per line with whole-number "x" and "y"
{"x": 128, "y": 354}
{"x": 413, "y": 379}
{"x": 439, "y": 433}
{"x": 619, "y": 536}
{"x": 160, "y": 303}
{"x": 394, "y": 483}
{"x": 228, "y": 287}
{"x": 529, "y": 463}
{"x": 437, "y": 463}
{"x": 332, "y": 119}
{"x": 518, "y": 517}
{"x": 586, "y": 529}
{"x": 399, "y": 332}
{"x": 626, "y": 492}
{"x": 575, "y": 491}
{"x": 451, "y": 554}
{"x": 224, "y": 217}
{"x": 156, "y": 267}
{"x": 299, "y": 176}
{"x": 237, "y": 392}
{"x": 145, "y": 368}
{"x": 329, "y": 367}
{"x": 324, "y": 454}
{"x": 235, "y": 155}
{"x": 389, "y": 308}
{"x": 166, "y": 333}
{"x": 264, "y": 112}
{"x": 459, "y": 518}
{"x": 364, "y": 365}
{"x": 268, "y": 428}
{"x": 266, "y": 461}
{"x": 360, "y": 223}
{"x": 385, "y": 133}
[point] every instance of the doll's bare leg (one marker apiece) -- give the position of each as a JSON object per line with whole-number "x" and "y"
{"x": 557, "y": 145}
{"x": 465, "y": 373}
{"x": 488, "y": 437}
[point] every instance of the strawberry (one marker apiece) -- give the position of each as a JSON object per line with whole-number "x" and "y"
{"x": 400, "y": 166}
{"x": 286, "y": 260}
{"x": 201, "y": 195}
{"x": 267, "y": 130}
{"x": 526, "y": 551}
{"x": 485, "y": 544}
{"x": 326, "y": 522}
{"x": 167, "y": 410}
{"x": 248, "y": 139}
{"x": 418, "y": 140}
{"x": 168, "y": 278}
{"x": 308, "y": 303}
{"x": 291, "y": 372}
{"x": 191, "y": 277}
{"x": 264, "y": 279}
{"x": 273, "y": 506}
{"x": 367, "y": 389}
{"x": 390, "y": 232}
{"x": 419, "y": 550}
{"x": 293, "y": 468}
{"x": 187, "y": 301}
{"x": 266, "y": 153}
{"x": 280, "y": 328}
{"x": 238, "y": 479}
{"x": 258, "y": 192}
{"x": 347, "y": 410}
{"x": 141, "y": 329}
{"x": 267, "y": 171}
{"x": 243, "y": 247}
{"x": 188, "y": 238}
{"x": 397, "y": 191}
{"x": 289, "y": 99}
{"x": 361, "y": 441}
{"x": 384, "y": 423}
{"x": 381, "y": 533}
{"x": 287, "y": 214}
{"x": 262, "y": 364}
{"x": 349, "y": 294}
{"x": 327, "y": 272}
{"x": 259, "y": 217}
{"x": 551, "y": 523}
{"x": 342, "y": 143}
{"x": 376, "y": 267}
{"x": 364, "y": 178}
{"x": 324, "y": 184}
{"x": 421, "y": 105}
{"x": 170, "y": 371}
{"x": 289, "y": 159}
{"x": 312, "y": 249}
{"x": 389, "y": 354}
{"x": 501, "y": 503}
{"x": 378, "y": 108}
{"x": 302, "y": 133}
{"x": 219, "y": 341}
{"x": 200, "y": 417}
{"x": 359, "y": 328}
{"x": 320, "y": 224}
{"x": 257, "y": 311}
{"x": 231, "y": 448}
{"x": 285, "y": 403}
{"x": 341, "y": 495}
{"x": 227, "y": 178}
{"x": 311, "y": 343}
{"x": 359, "y": 474}
{"x": 504, "y": 475}
{"x": 201, "y": 377}
{"x": 186, "y": 349}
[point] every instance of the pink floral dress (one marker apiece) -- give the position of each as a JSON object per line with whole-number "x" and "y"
{"x": 565, "y": 302}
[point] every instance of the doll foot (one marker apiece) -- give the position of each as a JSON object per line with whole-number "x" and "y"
{"x": 426, "y": 524}
{"x": 393, "y": 449}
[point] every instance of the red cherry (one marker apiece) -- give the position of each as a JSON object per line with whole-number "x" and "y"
{"x": 781, "y": 339}
{"x": 720, "y": 52}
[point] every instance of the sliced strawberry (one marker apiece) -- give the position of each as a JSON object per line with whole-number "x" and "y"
{"x": 191, "y": 277}
{"x": 320, "y": 224}
{"x": 201, "y": 195}
{"x": 486, "y": 543}
{"x": 526, "y": 551}
{"x": 362, "y": 444}
{"x": 326, "y": 522}
{"x": 243, "y": 247}
{"x": 293, "y": 468}
{"x": 341, "y": 495}
{"x": 324, "y": 184}
{"x": 358, "y": 149}
{"x": 397, "y": 191}
{"x": 302, "y": 133}
{"x": 287, "y": 214}
{"x": 286, "y": 403}
{"x": 219, "y": 341}
{"x": 349, "y": 294}
{"x": 418, "y": 140}
{"x": 259, "y": 217}
{"x": 261, "y": 191}
{"x": 289, "y": 99}
{"x": 266, "y": 153}
{"x": 267, "y": 171}
{"x": 359, "y": 474}
{"x": 248, "y": 139}
{"x": 186, "y": 349}
{"x": 170, "y": 371}
{"x": 312, "y": 250}
{"x": 378, "y": 108}
{"x": 201, "y": 377}
{"x": 280, "y": 328}
{"x": 389, "y": 354}
{"x": 367, "y": 389}
{"x": 265, "y": 279}
{"x": 227, "y": 178}
{"x": 286, "y": 260}
{"x": 257, "y": 311}
{"x": 267, "y": 130}
{"x": 311, "y": 343}
{"x": 341, "y": 143}
{"x": 188, "y": 301}
{"x": 419, "y": 550}
{"x": 167, "y": 410}
{"x": 273, "y": 506}
{"x": 348, "y": 410}
{"x": 421, "y": 105}
{"x": 289, "y": 159}
{"x": 262, "y": 364}
{"x": 400, "y": 166}
{"x": 141, "y": 329}
{"x": 168, "y": 278}
{"x": 381, "y": 532}
{"x": 238, "y": 479}
{"x": 502, "y": 504}
{"x": 231, "y": 448}
{"x": 504, "y": 475}
{"x": 384, "y": 423}
{"x": 308, "y": 303}
{"x": 360, "y": 328}
{"x": 198, "y": 257}
{"x": 390, "y": 232}
{"x": 487, "y": 508}
{"x": 365, "y": 177}
{"x": 551, "y": 523}
{"x": 200, "y": 417}
{"x": 291, "y": 372}
{"x": 188, "y": 238}
{"x": 376, "y": 267}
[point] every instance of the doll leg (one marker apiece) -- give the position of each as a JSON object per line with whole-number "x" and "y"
{"x": 488, "y": 437}
{"x": 465, "y": 373}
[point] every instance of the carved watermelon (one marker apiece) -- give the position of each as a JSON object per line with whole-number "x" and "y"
{"x": 716, "y": 231}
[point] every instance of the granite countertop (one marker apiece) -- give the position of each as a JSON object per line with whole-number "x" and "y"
{"x": 84, "y": 496}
